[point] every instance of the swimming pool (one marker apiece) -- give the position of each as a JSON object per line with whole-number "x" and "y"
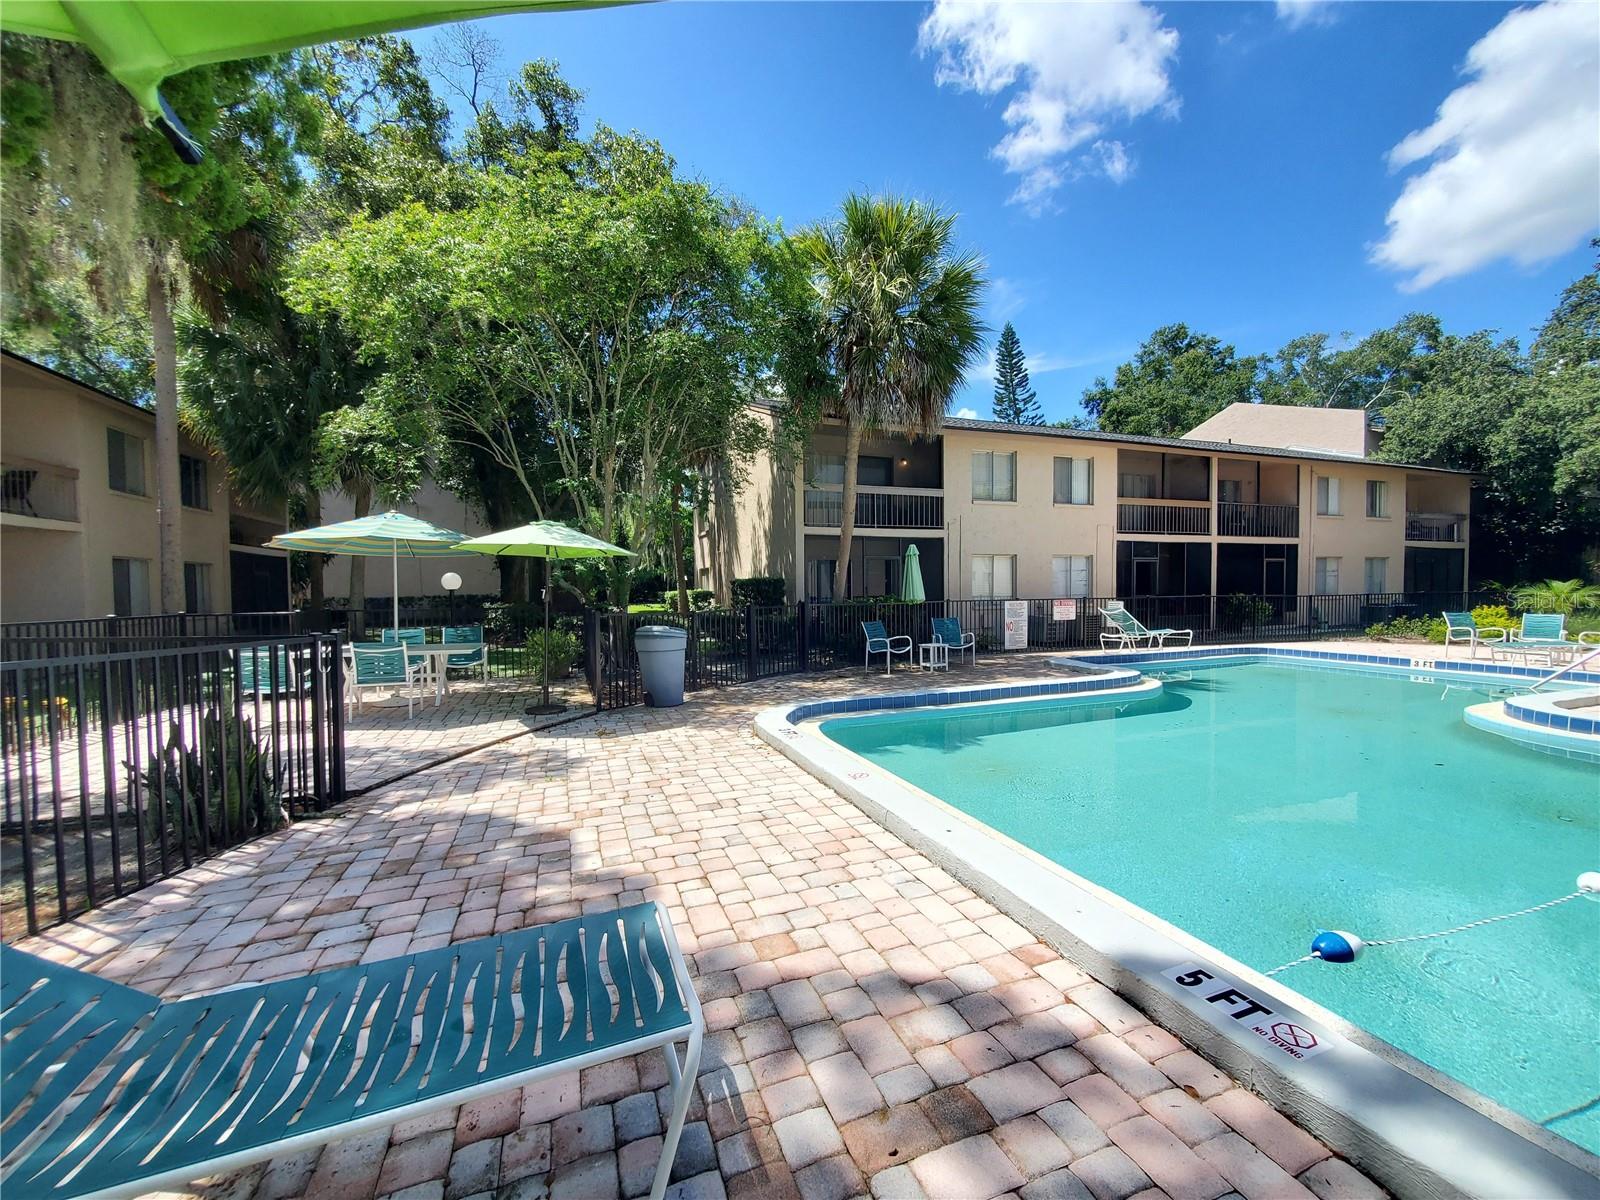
{"x": 1253, "y": 803}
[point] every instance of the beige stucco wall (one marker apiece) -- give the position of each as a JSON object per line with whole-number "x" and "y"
{"x": 66, "y": 573}
{"x": 1353, "y": 537}
{"x": 1034, "y": 527}
{"x": 1288, "y": 426}
{"x": 751, "y": 528}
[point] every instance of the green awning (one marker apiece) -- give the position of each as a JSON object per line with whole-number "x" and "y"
{"x": 142, "y": 42}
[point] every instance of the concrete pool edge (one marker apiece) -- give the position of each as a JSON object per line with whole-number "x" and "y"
{"x": 1412, "y": 1128}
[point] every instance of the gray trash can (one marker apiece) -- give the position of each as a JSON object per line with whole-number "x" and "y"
{"x": 660, "y": 649}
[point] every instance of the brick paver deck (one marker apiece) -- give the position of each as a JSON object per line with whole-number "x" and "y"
{"x": 874, "y": 1027}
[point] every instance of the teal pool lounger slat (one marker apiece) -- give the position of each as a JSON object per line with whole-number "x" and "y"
{"x": 1254, "y": 803}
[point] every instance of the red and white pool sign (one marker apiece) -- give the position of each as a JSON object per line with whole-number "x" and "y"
{"x": 1226, "y": 1000}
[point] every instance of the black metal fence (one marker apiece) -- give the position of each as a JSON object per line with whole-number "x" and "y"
{"x": 107, "y": 635}
{"x": 122, "y": 768}
{"x": 728, "y": 646}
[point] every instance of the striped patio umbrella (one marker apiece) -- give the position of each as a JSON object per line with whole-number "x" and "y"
{"x": 911, "y": 589}
{"x": 390, "y": 535}
{"x": 546, "y": 540}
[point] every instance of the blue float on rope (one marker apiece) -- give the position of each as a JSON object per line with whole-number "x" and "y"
{"x": 1337, "y": 946}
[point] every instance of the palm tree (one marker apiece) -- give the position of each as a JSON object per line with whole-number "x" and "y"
{"x": 1565, "y": 596}
{"x": 899, "y": 324}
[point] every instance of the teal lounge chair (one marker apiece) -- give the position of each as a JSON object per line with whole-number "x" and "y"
{"x": 879, "y": 642}
{"x": 948, "y": 631}
{"x": 1127, "y": 631}
{"x": 1542, "y": 635}
{"x": 110, "y": 1091}
{"x": 1461, "y": 629}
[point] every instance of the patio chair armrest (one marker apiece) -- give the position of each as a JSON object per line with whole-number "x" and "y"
{"x": 1589, "y": 637}
{"x": 1500, "y": 634}
{"x": 898, "y": 642}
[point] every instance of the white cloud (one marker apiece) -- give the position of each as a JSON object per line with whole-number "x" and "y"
{"x": 1074, "y": 68}
{"x": 1297, "y": 14}
{"x": 1513, "y": 157}
{"x": 966, "y": 414}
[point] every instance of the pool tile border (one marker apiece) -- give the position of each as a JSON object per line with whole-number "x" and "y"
{"x": 1415, "y": 1129}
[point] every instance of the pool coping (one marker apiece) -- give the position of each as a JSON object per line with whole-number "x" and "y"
{"x": 1413, "y": 1128}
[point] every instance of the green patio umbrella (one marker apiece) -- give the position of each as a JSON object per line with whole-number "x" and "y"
{"x": 546, "y": 540}
{"x": 911, "y": 589}
{"x": 388, "y": 535}
{"x": 142, "y": 42}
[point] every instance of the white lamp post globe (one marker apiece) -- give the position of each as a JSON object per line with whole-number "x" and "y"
{"x": 450, "y": 581}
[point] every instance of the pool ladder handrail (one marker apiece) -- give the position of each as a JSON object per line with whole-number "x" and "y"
{"x": 1560, "y": 671}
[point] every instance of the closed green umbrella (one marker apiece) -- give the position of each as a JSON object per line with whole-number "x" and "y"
{"x": 390, "y": 535}
{"x": 911, "y": 589}
{"x": 546, "y": 540}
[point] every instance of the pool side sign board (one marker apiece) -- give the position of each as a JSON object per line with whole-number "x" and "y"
{"x": 1063, "y": 610}
{"x": 1227, "y": 1003}
{"x": 1016, "y": 619}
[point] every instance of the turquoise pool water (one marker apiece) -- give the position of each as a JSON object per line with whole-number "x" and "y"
{"x": 1255, "y": 803}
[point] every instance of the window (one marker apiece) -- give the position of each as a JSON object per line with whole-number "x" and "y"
{"x": 825, "y": 470}
{"x": 130, "y": 586}
{"x": 192, "y": 482}
{"x": 874, "y": 470}
{"x": 819, "y": 578}
{"x": 1074, "y": 481}
{"x": 1070, "y": 574}
{"x": 994, "y": 476}
{"x": 197, "y": 587}
{"x": 1327, "y": 496}
{"x": 1131, "y": 485}
{"x": 125, "y": 453}
{"x": 1377, "y": 575}
{"x": 1377, "y": 498}
{"x": 994, "y": 576}
{"x": 1327, "y": 576}
{"x": 1230, "y": 491}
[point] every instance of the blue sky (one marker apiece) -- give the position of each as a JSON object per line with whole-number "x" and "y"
{"x": 1225, "y": 165}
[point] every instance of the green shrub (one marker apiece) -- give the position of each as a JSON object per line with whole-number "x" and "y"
{"x": 1409, "y": 629}
{"x": 700, "y": 599}
{"x": 761, "y": 590}
{"x": 243, "y": 793}
{"x": 1245, "y": 610}
{"x": 563, "y": 652}
{"x": 1493, "y": 616}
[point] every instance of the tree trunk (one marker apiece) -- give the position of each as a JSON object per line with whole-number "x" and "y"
{"x": 316, "y": 592}
{"x": 847, "y": 515}
{"x": 361, "y": 499}
{"x": 169, "y": 504}
{"x": 677, "y": 550}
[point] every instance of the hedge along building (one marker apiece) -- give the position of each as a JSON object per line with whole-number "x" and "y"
{"x": 1001, "y": 511}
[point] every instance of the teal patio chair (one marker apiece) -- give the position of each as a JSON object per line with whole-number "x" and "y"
{"x": 413, "y": 637}
{"x": 948, "y": 631}
{"x": 477, "y": 660}
{"x": 1127, "y": 631}
{"x": 1461, "y": 629}
{"x": 880, "y": 642}
{"x": 382, "y": 668}
{"x": 256, "y": 670}
{"x": 109, "y": 1091}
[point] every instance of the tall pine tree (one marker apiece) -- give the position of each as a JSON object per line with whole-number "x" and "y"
{"x": 1014, "y": 401}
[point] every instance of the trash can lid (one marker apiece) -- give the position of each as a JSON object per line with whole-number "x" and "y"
{"x": 662, "y": 633}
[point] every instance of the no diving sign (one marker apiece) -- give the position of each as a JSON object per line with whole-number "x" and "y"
{"x": 1225, "y": 1000}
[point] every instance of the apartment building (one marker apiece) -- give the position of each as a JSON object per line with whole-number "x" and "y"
{"x": 1002, "y": 511}
{"x": 78, "y": 534}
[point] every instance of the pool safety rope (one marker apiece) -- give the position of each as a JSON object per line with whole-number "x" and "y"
{"x": 1339, "y": 946}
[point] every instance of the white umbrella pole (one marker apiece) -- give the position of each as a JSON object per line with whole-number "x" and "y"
{"x": 394, "y": 551}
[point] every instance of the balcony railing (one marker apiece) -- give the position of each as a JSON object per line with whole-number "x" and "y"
{"x": 1436, "y": 527}
{"x": 1258, "y": 520}
{"x": 1163, "y": 517}
{"x": 877, "y": 508}
{"x": 36, "y": 489}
